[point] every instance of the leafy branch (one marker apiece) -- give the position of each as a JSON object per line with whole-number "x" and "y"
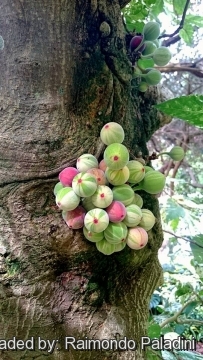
{"x": 172, "y": 36}
{"x": 183, "y": 238}
{"x": 175, "y": 317}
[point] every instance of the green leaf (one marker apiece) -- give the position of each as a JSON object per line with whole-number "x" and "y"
{"x": 173, "y": 210}
{"x": 150, "y": 2}
{"x": 130, "y": 26}
{"x": 188, "y": 355}
{"x": 183, "y": 289}
{"x": 157, "y": 8}
{"x": 195, "y": 20}
{"x": 174, "y": 224}
{"x": 155, "y": 300}
{"x": 139, "y": 26}
{"x": 180, "y": 329}
{"x": 190, "y": 307}
{"x": 187, "y": 33}
{"x": 189, "y": 108}
{"x": 166, "y": 329}
{"x": 178, "y": 6}
{"x": 145, "y": 63}
{"x": 154, "y": 331}
{"x": 152, "y": 355}
{"x": 166, "y": 355}
{"x": 196, "y": 250}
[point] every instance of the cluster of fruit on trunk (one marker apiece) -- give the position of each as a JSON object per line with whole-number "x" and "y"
{"x": 101, "y": 197}
{"x": 146, "y": 47}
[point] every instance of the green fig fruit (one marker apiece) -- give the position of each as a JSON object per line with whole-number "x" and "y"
{"x": 151, "y": 31}
{"x": 150, "y": 47}
{"x": 143, "y": 86}
{"x": 105, "y": 247}
{"x": 162, "y": 56}
{"x": 153, "y": 182}
{"x": 177, "y": 153}
{"x": 148, "y": 220}
{"x": 153, "y": 77}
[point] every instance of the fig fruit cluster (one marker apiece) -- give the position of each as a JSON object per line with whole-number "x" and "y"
{"x": 146, "y": 46}
{"x": 101, "y": 197}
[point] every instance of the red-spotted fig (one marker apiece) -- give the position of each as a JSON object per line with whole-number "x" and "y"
{"x": 116, "y": 156}
{"x": 102, "y": 197}
{"x": 84, "y": 184}
{"x": 116, "y": 211}
{"x": 75, "y": 218}
{"x": 137, "y": 238}
{"x": 96, "y": 220}
{"x": 99, "y": 175}
{"x": 111, "y": 133}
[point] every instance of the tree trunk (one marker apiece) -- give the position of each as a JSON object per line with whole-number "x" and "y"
{"x": 64, "y": 74}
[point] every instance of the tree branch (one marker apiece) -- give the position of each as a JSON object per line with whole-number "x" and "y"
{"x": 181, "y": 23}
{"x": 177, "y": 67}
{"x": 175, "y": 316}
{"x": 194, "y": 183}
{"x": 170, "y": 41}
{"x": 183, "y": 238}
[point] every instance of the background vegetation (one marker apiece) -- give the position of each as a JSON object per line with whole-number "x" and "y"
{"x": 177, "y": 305}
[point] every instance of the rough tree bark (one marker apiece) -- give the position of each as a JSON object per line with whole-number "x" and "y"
{"x": 64, "y": 73}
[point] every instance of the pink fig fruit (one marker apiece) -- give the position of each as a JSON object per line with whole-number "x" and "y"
{"x": 75, "y": 218}
{"x": 116, "y": 211}
{"x": 102, "y": 165}
{"x": 66, "y": 175}
{"x": 99, "y": 175}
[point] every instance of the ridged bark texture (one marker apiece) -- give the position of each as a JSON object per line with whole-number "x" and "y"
{"x": 64, "y": 74}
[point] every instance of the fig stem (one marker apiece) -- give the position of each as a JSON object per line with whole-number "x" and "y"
{"x": 138, "y": 187}
{"x": 163, "y": 153}
{"x": 146, "y": 56}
